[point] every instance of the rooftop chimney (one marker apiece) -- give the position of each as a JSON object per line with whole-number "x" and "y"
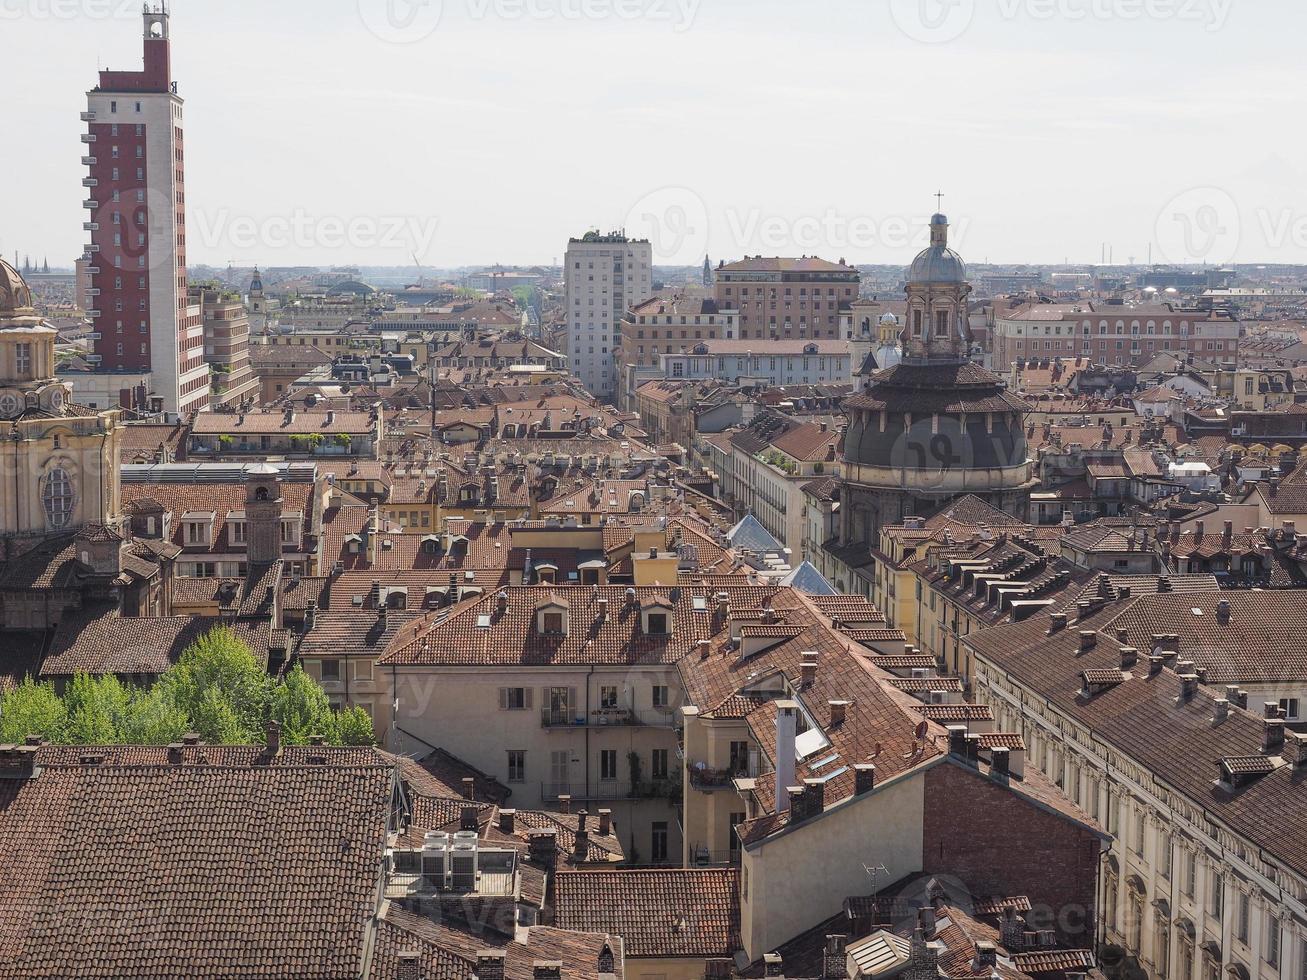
{"x": 838, "y": 710}
{"x": 547, "y": 969}
{"x": 1087, "y": 640}
{"x": 273, "y": 737}
{"x": 1001, "y": 762}
{"x": 772, "y": 965}
{"x": 864, "y": 777}
{"x": 582, "y": 816}
{"x": 507, "y": 821}
{"x": 834, "y": 965}
{"x": 926, "y": 921}
{"x": 786, "y": 732}
{"x": 1056, "y": 623}
{"x": 603, "y": 608}
{"x": 605, "y": 822}
{"x": 957, "y": 740}
{"x": 542, "y": 845}
{"x": 408, "y": 965}
{"x": 814, "y": 797}
{"x": 490, "y": 964}
{"x": 1295, "y": 749}
{"x": 1223, "y": 611}
{"x": 468, "y": 818}
{"x": 1129, "y": 657}
{"x": 1221, "y": 710}
{"x": 581, "y": 849}
{"x": 565, "y": 802}
{"x": 501, "y": 601}
{"x": 1188, "y": 686}
{"x": 808, "y": 672}
{"x": 1272, "y": 735}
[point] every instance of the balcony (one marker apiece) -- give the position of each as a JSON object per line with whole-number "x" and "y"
{"x": 88, "y": 116}
{"x": 88, "y": 137}
{"x": 706, "y": 779}
{"x": 93, "y": 247}
{"x": 88, "y": 161}
{"x": 90, "y": 204}
{"x": 89, "y": 182}
{"x": 93, "y": 335}
{"x": 93, "y": 292}
{"x": 90, "y": 226}
{"x": 92, "y": 358}
{"x": 92, "y": 314}
{"x": 612, "y": 789}
{"x": 92, "y": 270}
{"x": 560, "y": 718}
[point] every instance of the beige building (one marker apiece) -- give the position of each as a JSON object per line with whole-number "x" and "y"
{"x": 604, "y": 276}
{"x": 61, "y": 459}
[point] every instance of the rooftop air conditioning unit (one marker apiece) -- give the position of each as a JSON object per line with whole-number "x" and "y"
{"x": 435, "y": 859}
{"x": 463, "y": 865}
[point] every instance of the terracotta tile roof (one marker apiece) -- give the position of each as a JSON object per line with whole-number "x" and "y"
{"x": 511, "y": 637}
{"x": 240, "y": 869}
{"x": 275, "y": 423}
{"x": 440, "y": 773}
{"x": 100, "y": 642}
{"x": 354, "y": 633}
{"x": 1147, "y": 720}
{"x": 20, "y": 656}
{"x": 221, "y": 499}
{"x": 848, "y": 609}
{"x": 1264, "y": 641}
{"x": 678, "y": 912}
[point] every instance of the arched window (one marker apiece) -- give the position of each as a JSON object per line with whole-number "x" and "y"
{"x": 57, "y": 495}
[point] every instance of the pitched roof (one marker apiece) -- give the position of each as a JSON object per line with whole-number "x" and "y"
{"x": 103, "y": 642}
{"x": 678, "y": 912}
{"x": 138, "y": 867}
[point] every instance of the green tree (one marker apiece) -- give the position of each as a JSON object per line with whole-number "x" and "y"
{"x": 97, "y": 709}
{"x": 221, "y": 688}
{"x": 352, "y": 727}
{"x": 301, "y": 707}
{"x": 32, "y": 708}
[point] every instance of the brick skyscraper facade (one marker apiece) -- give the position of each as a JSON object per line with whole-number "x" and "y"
{"x": 146, "y": 331}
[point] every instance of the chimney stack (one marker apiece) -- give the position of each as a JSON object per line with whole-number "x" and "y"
{"x": 834, "y": 964}
{"x": 1295, "y": 749}
{"x": 1188, "y": 686}
{"x": 1223, "y": 612}
{"x": 926, "y": 921}
{"x": 1056, "y": 623}
{"x": 490, "y": 964}
{"x": 408, "y": 965}
{"x": 838, "y": 711}
{"x": 705, "y": 648}
{"x": 1087, "y": 640}
{"x": 603, "y": 608}
{"x": 542, "y": 845}
{"x": 507, "y": 821}
{"x": 957, "y": 740}
{"x": 582, "y": 816}
{"x": 1001, "y": 763}
{"x": 864, "y": 777}
{"x": 273, "y": 737}
{"x": 1272, "y": 735}
{"x": 772, "y": 965}
{"x": 581, "y": 850}
{"x": 1129, "y": 657}
{"x": 467, "y": 819}
{"x": 605, "y": 822}
{"x": 547, "y": 970}
{"x": 1222, "y": 710}
{"x": 814, "y": 797}
{"x": 565, "y": 802}
{"x": 786, "y": 733}
{"x": 808, "y": 672}
{"x": 501, "y": 601}
{"x": 1012, "y": 931}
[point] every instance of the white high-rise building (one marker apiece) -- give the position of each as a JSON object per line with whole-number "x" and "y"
{"x": 148, "y": 336}
{"x": 605, "y": 276}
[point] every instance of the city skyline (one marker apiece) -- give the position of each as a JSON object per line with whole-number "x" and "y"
{"x": 992, "y": 108}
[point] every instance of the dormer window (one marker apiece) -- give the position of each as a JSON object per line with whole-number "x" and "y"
{"x": 552, "y": 616}
{"x": 197, "y": 528}
{"x": 353, "y": 544}
{"x": 656, "y": 617}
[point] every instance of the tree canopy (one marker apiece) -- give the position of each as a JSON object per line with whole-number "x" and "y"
{"x": 216, "y": 689}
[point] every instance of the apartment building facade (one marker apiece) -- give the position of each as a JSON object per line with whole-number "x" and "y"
{"x": 786, "y": 298}
{"x": 1112, "y": 335}
{"x": 604, "y": 276}
{"x": 1195, "y": 789}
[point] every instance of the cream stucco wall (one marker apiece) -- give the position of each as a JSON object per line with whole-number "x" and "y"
{"x": 792, "y": 882}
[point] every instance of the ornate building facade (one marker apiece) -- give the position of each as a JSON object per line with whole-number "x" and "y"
{"x": 61, "y": 468}
{"x": 935, "y": 426}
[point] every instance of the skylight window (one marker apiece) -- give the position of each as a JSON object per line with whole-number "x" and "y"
{"x": 483, "y": 621}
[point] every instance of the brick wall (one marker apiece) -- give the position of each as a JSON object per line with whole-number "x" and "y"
{"x": 1000, "y": 844}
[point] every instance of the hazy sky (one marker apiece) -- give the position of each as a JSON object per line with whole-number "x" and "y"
{"x": 339, "y": 131}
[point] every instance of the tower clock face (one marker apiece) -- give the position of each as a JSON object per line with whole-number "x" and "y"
{"x": 57, "y": 399}
{"x": 9, "y": 404}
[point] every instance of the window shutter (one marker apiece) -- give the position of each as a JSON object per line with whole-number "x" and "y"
{"x": 528, "y": 695}
{"x": 503, "y": 698}
{"x": 573, "y": 705}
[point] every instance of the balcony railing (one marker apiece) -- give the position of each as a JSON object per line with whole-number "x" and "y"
{"x": 611, "y": 789}
{"x": 704, "y": 777}
{"x": 607, "y": 717}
